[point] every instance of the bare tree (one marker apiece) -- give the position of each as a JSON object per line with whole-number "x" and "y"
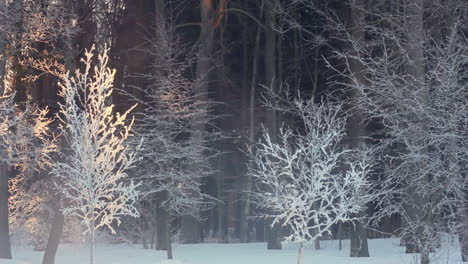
{"x": 411, "y": 81}
{"x": 177, "y": 153}
{"x": 306, "y": 181}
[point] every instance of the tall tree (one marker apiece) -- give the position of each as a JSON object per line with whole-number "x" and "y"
{"x": 5, "y": 247}
{"x": 93, "y": 175}
{"x": 357, "y": 131}
{"x": 210, "y": 19}
{"x": 416, "y": 99}
{"x": 271, "y": 80}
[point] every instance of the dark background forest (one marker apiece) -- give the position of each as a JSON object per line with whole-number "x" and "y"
{"x": 237, "y": 51}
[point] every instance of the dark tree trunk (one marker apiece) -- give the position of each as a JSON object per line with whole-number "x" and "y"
{"x": 340, "y": 235}
{"x": 54, "y": 237}
{"x": 463, "y": 238}
{"x": 245, "y": 196}
{"x": 356, "y": 128}
{"x": 161, "y": 227}
{"x": 274, "y": 233}
{"x": 190, "y": 227}
{"x": 260, "y": 230}
{"x": 274, "y": 237}
{"x": 359, "y": 247}
{"x": 167, "y": 222}
{"x": 419, "y": 208}
{"x": 190, "y": 230}
{"x": 317, "y": 243}
{"x": 5, "y": 246}
{"x": 463, "y": 234}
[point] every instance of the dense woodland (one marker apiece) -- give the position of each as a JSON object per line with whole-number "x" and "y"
{"x": 233, "y": 121}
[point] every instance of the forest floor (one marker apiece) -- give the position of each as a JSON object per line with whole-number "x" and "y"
{"x": 383, "y": 251}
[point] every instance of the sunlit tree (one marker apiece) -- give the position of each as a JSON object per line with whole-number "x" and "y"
{"x": 93, "y": 173}
{"x": 26, "y": 146}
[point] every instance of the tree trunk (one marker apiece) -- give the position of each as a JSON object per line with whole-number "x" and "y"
{"x": 5, "y": 246}
{"x": 415, "y": 68}
{"x": 3, "y": 50}
{"x": 299, "y": 256}
{"x": 463, "y": 234}
{"x": 143, "y": 231}
{"x": 190, "y": 226}
{"x": 270, "y": 64}
{"x": 274, "y": 234}
{"x": 463, "y": 239}
{"x": 168, "y": 235}
{"x": 260, "y": 230}
{"x": 359, "y": 247}
{"x": 317, "y": 243}
{"x": 54, "y": 237}
{"x": 340, "y": 235}
{"x": 245, "y": 208}
{"x": 358, "y": 232}
{"x": 161, "y": 225}
{"x": 221, "y": 208}
{"x": 274, "y": 237}
{"x": 92, "y": 242}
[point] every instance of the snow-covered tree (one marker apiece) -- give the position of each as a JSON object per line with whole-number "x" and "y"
{"x": 32, "y": 144}
{"x": 25, "y": 146}
{"x": 309, "y": 180}
{"x": 176, "y": 157}
{"x": 93, "y": 174}
{"x": 414, "y": 83}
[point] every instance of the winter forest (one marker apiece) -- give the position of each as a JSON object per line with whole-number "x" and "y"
{"x": 233, "y": 131}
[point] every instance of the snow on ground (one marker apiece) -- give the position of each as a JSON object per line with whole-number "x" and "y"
{"x": 383, "y": 251}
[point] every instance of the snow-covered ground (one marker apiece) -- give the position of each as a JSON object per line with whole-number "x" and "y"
{"x": 383, "y": 251}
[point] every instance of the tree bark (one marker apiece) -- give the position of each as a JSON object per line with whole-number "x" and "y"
{"x": 274, "y": 233}
{"x": 340, "y": 235}
{"x": 245, "y": 208}
{"x": 5, "y": 246}
{"x": 358, "y": 232}
{"x": 54, "y": 237}
{"x": 92, "y": 242}
{"x": 168, "y": 235}
{"x": 161, "y": 226}
{"x": 415, "y": 68}
{"x": 463, "y": 239}
{"x": 463, "y": 234}
{"x": 359, "y": 246}
{"x": 274, "y": 237}
{"x": 317, "y": 243}
{"x": 190, "y": 227}
{"x": 299, "y": 256}
{"x": 3, "y": 50}
{"x": 260, "y": 230}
